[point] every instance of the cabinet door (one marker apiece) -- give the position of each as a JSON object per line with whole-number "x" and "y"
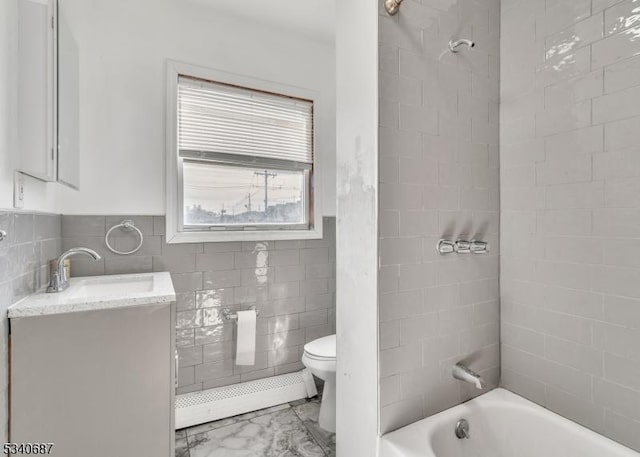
{"x": 68, "y": 104}
{"x": 37, "y": 88}
{"x": 96, "y": 383}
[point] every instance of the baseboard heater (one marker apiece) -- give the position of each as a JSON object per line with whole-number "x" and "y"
{"x": 209, "y": 405}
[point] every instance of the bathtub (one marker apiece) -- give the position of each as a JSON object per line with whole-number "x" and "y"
{"x": 501, "y": 424}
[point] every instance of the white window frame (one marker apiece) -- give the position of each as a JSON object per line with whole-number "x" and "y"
{"x": 173, "y": 231}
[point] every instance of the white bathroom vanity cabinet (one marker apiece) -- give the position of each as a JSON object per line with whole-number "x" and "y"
{"x": 93, "y": 371}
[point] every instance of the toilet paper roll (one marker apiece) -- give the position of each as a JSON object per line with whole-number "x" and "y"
{"x": 246, "y": 343}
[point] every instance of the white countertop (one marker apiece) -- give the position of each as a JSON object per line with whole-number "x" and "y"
{"x": 98, "y": 293}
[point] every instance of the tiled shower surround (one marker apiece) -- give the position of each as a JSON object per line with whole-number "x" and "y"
{"x": 438, "y": 179}
{"x": 292, "y": 283}
{"x": 32, "y": 240}
{"x": 570, "y": 180}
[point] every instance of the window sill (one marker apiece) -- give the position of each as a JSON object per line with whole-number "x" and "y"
{"x": 175, "y": 237}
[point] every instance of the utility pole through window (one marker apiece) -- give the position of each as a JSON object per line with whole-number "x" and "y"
{"x": 267, "y": 174}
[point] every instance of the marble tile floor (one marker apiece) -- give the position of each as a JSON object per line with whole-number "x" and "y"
{"x": 288, "y": 430}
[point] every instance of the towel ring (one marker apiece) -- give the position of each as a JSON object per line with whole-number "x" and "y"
{"x": 127, "y": 225}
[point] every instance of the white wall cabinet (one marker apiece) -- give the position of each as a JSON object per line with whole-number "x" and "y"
{"x": 37, "y": 112}
{"x": 48, "y": 95}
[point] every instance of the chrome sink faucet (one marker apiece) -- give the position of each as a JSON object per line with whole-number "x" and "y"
{"x": 59, "y": 280}
{"x": 462, "y": 373}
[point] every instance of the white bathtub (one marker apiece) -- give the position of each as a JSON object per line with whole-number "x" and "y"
{"x": 501, "y": 424}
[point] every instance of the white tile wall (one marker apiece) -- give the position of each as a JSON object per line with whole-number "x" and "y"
{"x": 570, "y": 190}
{"x": 438, "y": 178}
{"x": 291, "y": 282}
{"x": 32, "y": 241}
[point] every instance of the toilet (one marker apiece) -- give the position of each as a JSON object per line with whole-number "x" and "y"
{"x": 320, "y": 358}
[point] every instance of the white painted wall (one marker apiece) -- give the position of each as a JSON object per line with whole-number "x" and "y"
{"x": 357, "y": 228}
{"x": 8, "y": 21}
{"x": 39, "y": 196}
{"x": 123, "y": 47}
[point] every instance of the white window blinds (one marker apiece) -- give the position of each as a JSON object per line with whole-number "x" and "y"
{"x": 219, "y": 118}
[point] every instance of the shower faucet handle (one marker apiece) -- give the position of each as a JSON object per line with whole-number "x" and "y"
{"x": 446, "y": 247}
{"x": 463, "y": 247}
{"x": 479, "y": 247}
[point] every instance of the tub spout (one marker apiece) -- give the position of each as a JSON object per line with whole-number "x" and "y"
{"x": 463, "y": 373}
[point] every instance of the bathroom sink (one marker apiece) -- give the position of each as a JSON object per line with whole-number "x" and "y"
{"x": 98, "y": 293}
{"x": 107, "y": 285}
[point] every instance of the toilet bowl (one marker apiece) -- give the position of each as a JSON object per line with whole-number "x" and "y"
{"x": 320, "y": 358}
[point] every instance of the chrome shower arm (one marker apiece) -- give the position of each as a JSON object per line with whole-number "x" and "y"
{"x": 454, "y": 45}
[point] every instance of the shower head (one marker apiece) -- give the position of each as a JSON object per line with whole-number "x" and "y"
{"x": 453, "y": 45}
{"x": 392, "y": 6}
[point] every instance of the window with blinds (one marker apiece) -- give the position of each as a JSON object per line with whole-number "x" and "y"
{"x": 246, "y": 157}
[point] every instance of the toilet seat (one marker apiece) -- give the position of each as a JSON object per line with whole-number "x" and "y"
{"x": 319, "y": 359}
{"x": 322, "y": 349}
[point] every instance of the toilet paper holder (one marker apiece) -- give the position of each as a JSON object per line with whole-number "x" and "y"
{"x": 231, "y": 316}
